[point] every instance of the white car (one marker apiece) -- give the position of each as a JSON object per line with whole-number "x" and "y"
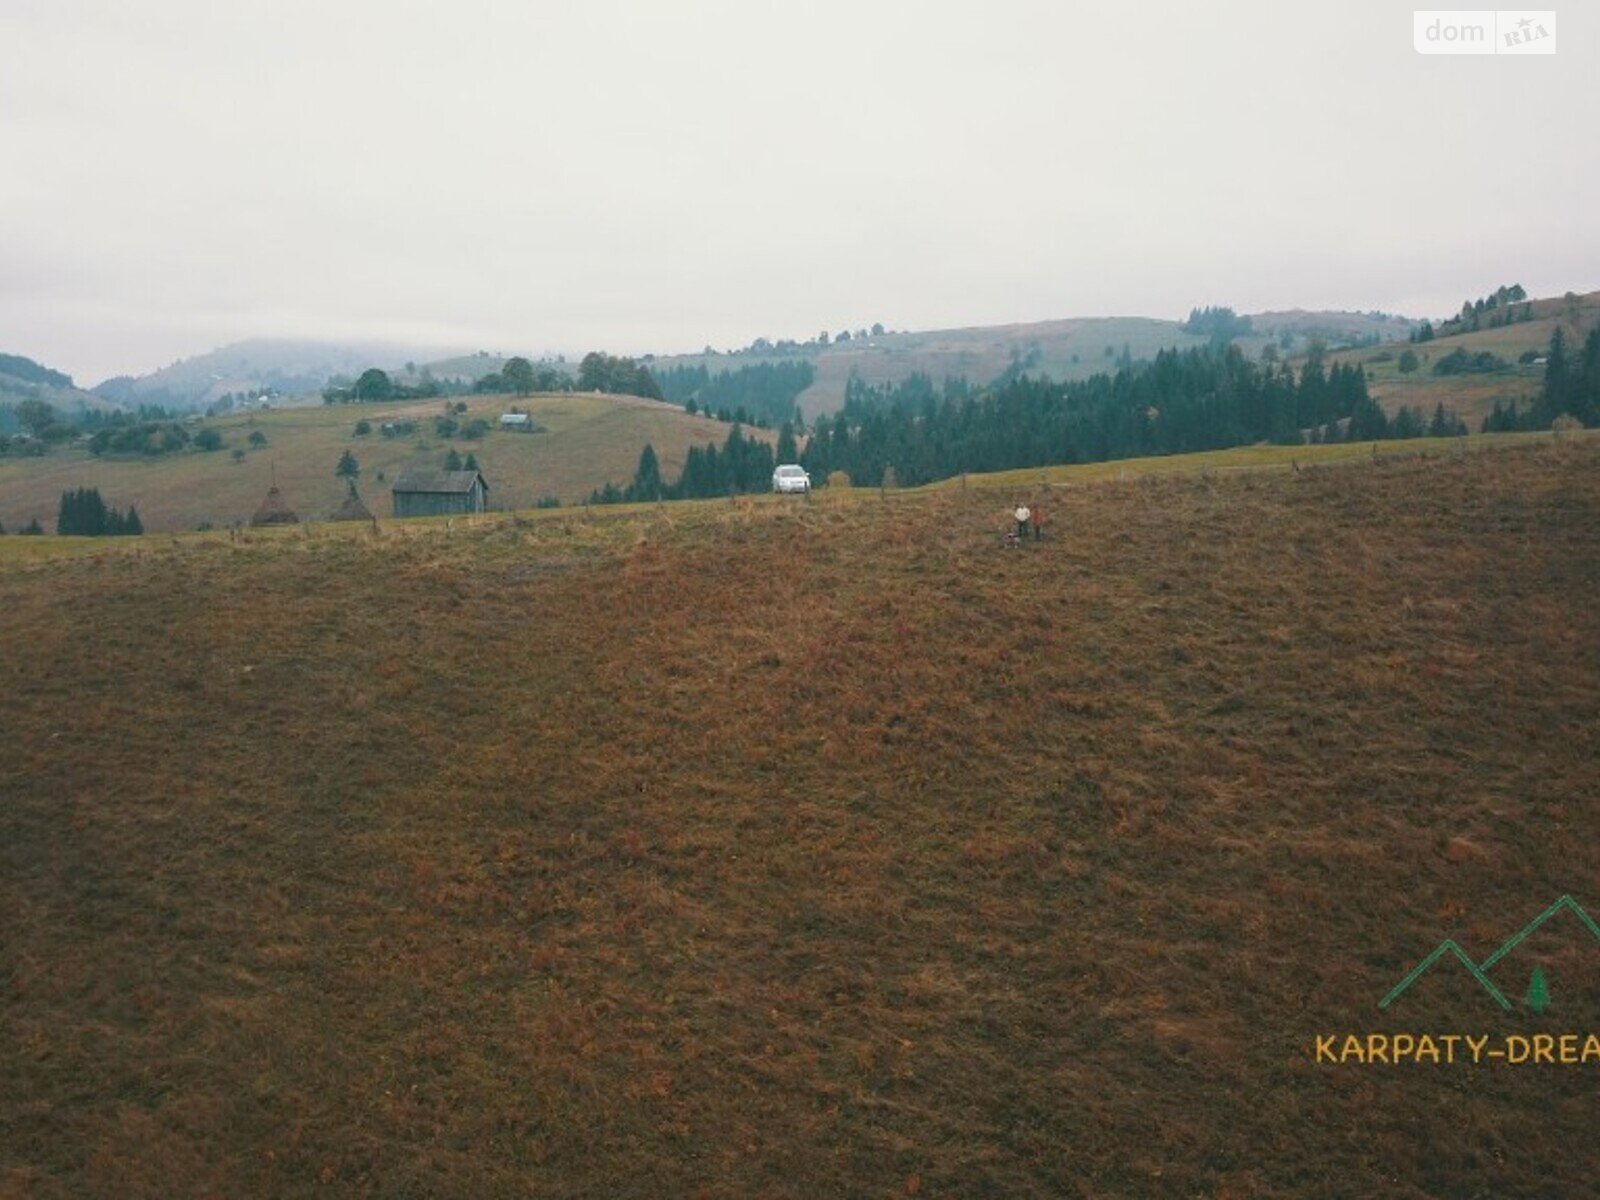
{"x": 791, "y": 478}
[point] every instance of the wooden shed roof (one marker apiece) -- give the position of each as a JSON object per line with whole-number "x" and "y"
{"x": 436, "y": 482}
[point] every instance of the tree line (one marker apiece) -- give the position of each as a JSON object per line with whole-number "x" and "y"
{"x": 1570, "y": 388}
{"x": 84, "y": 514}
{"x": 1206, "y": 398}
{"x": 762, "y": 394}
{"x": 598, "y": 372}
{"x": 1219, "y": 323}
{"x": 1499, "y": 307}
{"x": 1182, "y": 401}
{"x": 742, "y": 465}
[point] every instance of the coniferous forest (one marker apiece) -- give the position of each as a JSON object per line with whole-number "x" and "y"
{"x": 1182, "y": 401}
{"x": 762, "y": 394}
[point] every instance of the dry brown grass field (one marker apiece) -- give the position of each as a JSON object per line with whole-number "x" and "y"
{"x": 808, "y": 849}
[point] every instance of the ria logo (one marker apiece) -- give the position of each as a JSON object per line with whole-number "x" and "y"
{"x": 1538, "y": 995}
{"x": 1483, "y": 31}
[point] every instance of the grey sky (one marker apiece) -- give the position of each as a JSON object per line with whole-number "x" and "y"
{"x": 655, "y": 176}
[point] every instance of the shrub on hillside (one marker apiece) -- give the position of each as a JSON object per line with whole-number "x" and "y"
{"x": 1460, "y": 361}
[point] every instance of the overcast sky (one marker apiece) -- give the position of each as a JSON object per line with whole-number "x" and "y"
{"x": 638, "y": 177}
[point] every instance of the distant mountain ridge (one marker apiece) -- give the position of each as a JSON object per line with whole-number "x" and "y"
{"x": 25, "y": 370}
{"x": 284, "y": 366}
{"x": 23, "y": 378}
{"x": 1064, "y": 348}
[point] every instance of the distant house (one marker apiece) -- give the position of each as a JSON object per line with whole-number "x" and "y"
{"x": 518, "y": 421}
{"x": 440, "y": 493}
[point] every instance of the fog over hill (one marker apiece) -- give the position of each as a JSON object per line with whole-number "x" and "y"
{"x": 283, "y": 366}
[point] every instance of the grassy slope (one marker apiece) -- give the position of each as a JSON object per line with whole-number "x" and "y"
{"x": 1472, "y": 396}
{"x": 771, "y": 848}
{"x": 591, "y": 439}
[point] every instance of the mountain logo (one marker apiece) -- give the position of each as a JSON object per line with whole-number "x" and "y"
{"x": 1538, "y": 987}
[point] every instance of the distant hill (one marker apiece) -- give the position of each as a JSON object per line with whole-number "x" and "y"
{"x": 1073, "y": 348}
{"x": 284, "y": 366}
{"x": 1472, "y": 396}
{"x": 25, "y": 370}
{"x": 589, "y": 440}
{"x": 23, "y": 378}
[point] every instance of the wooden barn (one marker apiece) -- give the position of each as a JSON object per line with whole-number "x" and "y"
{"x": 440, "y": 493}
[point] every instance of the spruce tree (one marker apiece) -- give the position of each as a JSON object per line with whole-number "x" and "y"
{"x": 1554, "y": 398}
{"x": 647, "y": 476}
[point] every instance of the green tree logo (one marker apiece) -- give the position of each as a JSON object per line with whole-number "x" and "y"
{"x": 1538, "y": 997}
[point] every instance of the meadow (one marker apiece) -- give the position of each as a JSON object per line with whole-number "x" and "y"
{"x": 588, "y": 441}
{"x": 774, "y": 847}
{"x": 1472, "y": 397}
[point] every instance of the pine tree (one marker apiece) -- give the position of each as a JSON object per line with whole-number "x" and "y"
{"x": 471, "y": 464}
{"x": 452, "y": 460}
{"x": 647, "y": 476}
{"x": 1538, "y": 991}
{"x": 82, "y": 514}
{"x": 1556, "y": 381}
{"x": 348, "y": 468}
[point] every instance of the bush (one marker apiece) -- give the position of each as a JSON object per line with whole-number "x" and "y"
{"x": 1461, "y": 362}
{"x": 547, "y": 501}
{"x": 208, "y": 439}
{"x": 144, "y": 437}
{"x": 838, "y": 479}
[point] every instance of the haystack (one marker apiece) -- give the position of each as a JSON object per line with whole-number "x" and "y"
{"x": 274, "y": 511}
{"x": 352, "y": 509}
